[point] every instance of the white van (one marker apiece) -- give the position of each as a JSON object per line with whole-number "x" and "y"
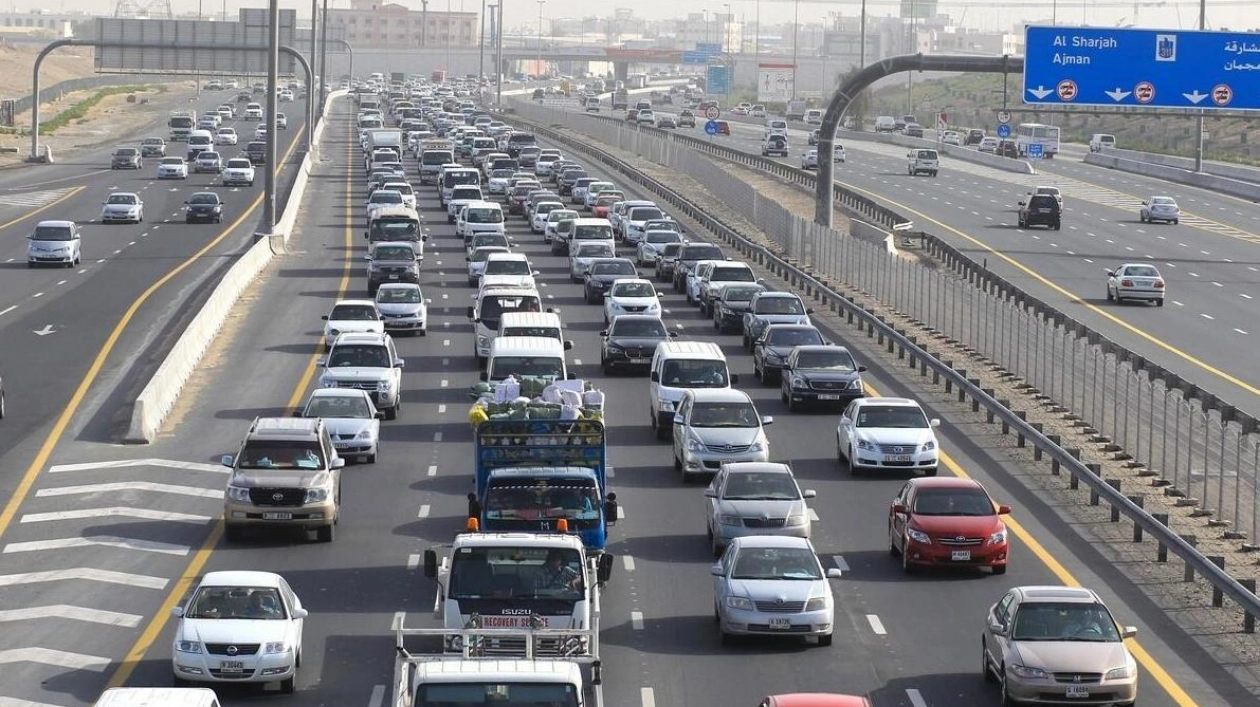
{"x": 776, "y": 126}
{"x": 813, "y": 116}
{"x": 922, "y": 162}
{"x": 492, "y": 303}
{"x": 544, "y": 324}
{"x": 479, "y": 217}
{"x": 885, "y": 124}
{"x": 585, "y": 230}
{"x": 199, "y": 141}
{"x": 678, "y": 366}
{"x": 1101, "y": 141}
{"x": 158, "y": 697}
{"x": 459, "y": 176}
{"x": 525, "y": 356}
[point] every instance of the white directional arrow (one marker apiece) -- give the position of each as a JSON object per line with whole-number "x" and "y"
{"x": 173, "y": 189}
{"x": 1195, "y": 97}
{"x": 1041, "y": 92}
{"x": 43, "y": 332}
{"x": 73, "y": 613}
{"x": 1118, "y": 95}
{"x": 60, "y": 659}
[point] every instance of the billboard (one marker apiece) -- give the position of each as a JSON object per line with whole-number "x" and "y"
{"x": 775, "y": 82}
{"x": 170, "y": 40}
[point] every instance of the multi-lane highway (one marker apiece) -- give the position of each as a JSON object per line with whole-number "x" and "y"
{"x": 109, "y": 319}
{"x": 111, "y": 537}
{"x": 1209, "y": 259}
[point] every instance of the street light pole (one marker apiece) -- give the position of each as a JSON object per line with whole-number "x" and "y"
{"x": 796, "y": 35}
{"x": 323, "y": 58}
{"x": 914, "y": 46}
{"x": 1198, "y": 140}
{"x": 862, "y": 50}
{"x": 424, "y": 23}
{"x": 757, "y": 37}
{"x": 498, "y": 61}
{"x": 481, "y": 49}
{"x": 538, "y": 67}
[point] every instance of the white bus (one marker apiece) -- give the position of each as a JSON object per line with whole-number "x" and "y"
{"x": 1035, "y": 133}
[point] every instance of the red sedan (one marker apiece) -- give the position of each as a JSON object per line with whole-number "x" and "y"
{"x": 938, "y": 521}
{"x": 815, "y": 699}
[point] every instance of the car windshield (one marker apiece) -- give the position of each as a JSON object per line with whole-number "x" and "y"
{"x": 633, "y": 289}
{"x": 177, "y": 161}
{"x": 395, "y": 252}
{"x": 399, "y": 295}
{"x": 386, "y": 196}
{"x": 639, "y": 328}
{"x": 346, "y": 406}
{"x": 592, "y": 232}
{"x": 490, "y": 239}
{"x": 739, "y": 294}
{"x": 724, "y": 415}
{"x": 557, "y": 215}
{"x": 645, "y": 213}
{"x": 500, "y": 173}
{"x": 683, "y": 373}
{"x": 701, "y": 252}
{"x": 359, "y": 356}
{"x": 780, "y": 305}
{"x": 267, "y": 454}
{"x": 480, "y": 255}
{"x": 1067, "y": 621}
{"x": 898, "y": 416}
{"x": 513, "y": 573}
{"x": 122, "y": 199}
{"x": 353, "y": 313}
{"x": 483, "y": 215}
{"x": 251, "y": 603}
{"x": 776, "y": 563}
{"x": 1140, "y": 271}
{"x": 547, "y": 207}
{"x": 493, "y": 307}
{"x": 833, "y": 360}
{"x": 793, "y": 337}
{"x": 204, "y": 199}
{"x": 53, "y": 233}
{"x": 395, "y": 230}
{"x": 719, "y": 274}
{"x": 127, "y": 152}
{"x": 238, "y": 164}
{"x": 617, "y": 267}
{"x": 208, "y": 157}
{"x": 1164, "y": 201}
{"x": 594, "y": 250}
{"x": 540, "y": 366}
{"x": 953, "y": 502}
{"x": 663, "y": 237}
{"x": 466, "y": 193}
{"x": 507, "y": 266}
{"x": 758, "y": 486}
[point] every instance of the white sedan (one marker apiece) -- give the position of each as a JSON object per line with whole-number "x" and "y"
{"x": 809, "y": 159}
{"x": 353, "y": 421}
{"x": 239, "y": 627}
{"x": 354, "y": 316}
{"x": 631, "y": 296}
{"x": 1161, "y": 208}
{"x": 538, "y": 221}
{"x": 225, "y": 136}
{"x": 1136, "y": 281}
{"x": 172, "y": 168}
{"x": 123, "y": 206}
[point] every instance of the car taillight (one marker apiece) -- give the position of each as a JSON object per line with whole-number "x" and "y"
{"x": 1126, "y": 283}
{"x": 1159, "y": 284}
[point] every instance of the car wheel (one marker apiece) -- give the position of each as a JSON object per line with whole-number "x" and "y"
{"x": 715, "y": 547}
{"x": 1159, "y": 303}
{"x": 1175, "y": 222}
{"x": 985, "y": 671}
{"x": 1108, "y": 293}
{"x": 756, "y": 370}
{"x": 854, "y": 470}
{"x": 792, "y": 405}
{"x": 369, "y": 459}
{"x": 233, "y": 533}
{"x": 287, "y": 686}
{"x": 930, "y": 472}
{"x": 906, "y": 566}
{"x": 1057, "y": 225}
{"x": 999, "y": 569}
{"x": 892, "y": 543}
{"x": 325, "y": 534}
{"x": 726, "y": 638}
{"x": 1005, "y": 700}
{"x": 1, "y": 404}
{"x": 391, "y": 413}
{"x": 825, "y": 640}
{"x": 1142, "y": 218}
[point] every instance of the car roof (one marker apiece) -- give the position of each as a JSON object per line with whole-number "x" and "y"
{"x": 898, "y": 402}
{"x": 757, "y": 468}
{"x": 782, "y": 326}
{"x": 55, "y": 224}
{"x": 945, "y": 482}
{"x": 626, "y": 280}
{"x": 771, "y": 541}
{"x": 719, "y": 395}
{"x": 508, "y": 256}
{"x": 339, "y": 393}
{"x": 238, "y": 578}
{"x": 353, "y": 302}
{"x": 360, "y": 338}
{"x": 397, "y": 286}
{"x": 1049, "y": 593}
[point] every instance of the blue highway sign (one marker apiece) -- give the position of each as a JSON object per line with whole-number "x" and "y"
{"x": 1098, "y": 66}
{"x": 711, "y": 127}
{"x": 694, "y": 58}
{"x": 1004, "y": 131}
{"x": 1034, "y": 150}
{"x": 718, "y": 80}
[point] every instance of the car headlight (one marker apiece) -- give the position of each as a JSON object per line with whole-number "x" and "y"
{"x": 928, "y": 445}
{"x": 1026, "y": 672}
{"x": 816, "y": 604}
{"x": 740, "y": 603}
{"x": 275, "y": 647}
{"x": 328, "y": 382}
{"x": 365, "y": 434}
{"x": 797, "y": 520}
{"x": 483, "y": 341}
{"x": 333, "y": 332}
{"x": 998, "y": 538}
{"x": 868, "y": 446}
{"x": 238, "y": 493}
{"x": 730, "y": 519}
{"x": 1119, "y": 673}
{"x": 188, "y": 646}
{"x": 316, "y": 495}
{"x": 654, "y": 307}
{"x": 695, "y": 445}
{"x": 918, "y": 536}
{"x": 798, "y": 382}
{"x": 616, "y": 350}
{"x": 385, "y": 385}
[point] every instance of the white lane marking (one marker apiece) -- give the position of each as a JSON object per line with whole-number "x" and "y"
{"x": 1218, "y": 284}
{"x": 9, "y": 309}
{"x": 1244, "y": 295}
{"x": 100, "y": 261}
{"x": 424, "y": 511}
{"x": 129, "y": 486}
{"x": 81, "y": 573}
{"x": 876, "y": 625}
{"x": 112, "y": 511}
{"x": 1240, "y": 331}
{"x": 840, "y": 563}
{"x": 61, "y": 282}
{"x": 73, "y": 613}
{"x": 444, "y": 383}
{"x": 446, "y": 361}
{"x": 813, "y": 515}
{"x": 442, "y": 409}
{"x": 82, "y": 270}
{"x": 37, "y": 295}
{"x": 446, "y": 342}
{"x": 621, "y": 512}
{"x": 61, "y": 659}
{"x": 916, "y": 699}
{"x": 610, "y": 472}
{"x": 124, "y": 463}
{"x": 437, "y": 436}
{"x": 413, "y": 561}
{"x": 378, "y": 696}
{"x": 397, "y": 622}
{"x": 99, "y": 541}
{"x": 647, "y": 697}
{"x": 432, "y": 470}
{"x": 636, "y": 620}
{"x": 1206, "y": 316}
{"x": 577, "y": 361}
{"x": 628, "y": 561}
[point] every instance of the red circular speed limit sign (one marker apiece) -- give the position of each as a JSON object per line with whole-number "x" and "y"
{"x": 712, "y": 113}
{"x": 1222, "y": 94}
{"x": 1144, "y": 92}
{"x": 1067, "y": 90}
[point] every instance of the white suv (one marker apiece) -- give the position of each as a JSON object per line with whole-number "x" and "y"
{"x": 887, "y": 433}
{"x": 368, "y": 362}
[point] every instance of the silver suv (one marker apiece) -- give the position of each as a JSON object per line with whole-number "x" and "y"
{"x": 285, "y": 475}
{"x": 368, "y": 362}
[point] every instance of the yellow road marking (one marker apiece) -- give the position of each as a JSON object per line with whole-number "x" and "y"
{"x": 1151, "y": 338}
{"x": 1147, "y": 661}
{"x": 158, "y": 623}
{"x": 89, "y": 378}
{"x": 43, "y": 208}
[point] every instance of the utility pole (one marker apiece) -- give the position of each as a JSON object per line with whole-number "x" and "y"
{"x": 269, "y": 120}
{"x": 538, "y": 68}
{"x": 796, "y": 35}
{"x": 481, "y": 49}
{"x": 323, "y": 59}
{"x": 1198, "y": 140}
{"x": 498, "y": 61}
{"x": 424, "y": 23}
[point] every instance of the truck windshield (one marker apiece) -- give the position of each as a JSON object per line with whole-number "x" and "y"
{"x": 541, "y": 503}
{"x": 394, "y": 230}
{"x": 516, "y": 572}
{"x": 437, "y": 157}
{"x": 701, "y": 373}
{"x": 501, "y": 694}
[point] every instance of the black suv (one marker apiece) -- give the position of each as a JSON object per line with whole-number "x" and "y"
{"x": 1040, "y": 210}
{"x": 256, "y": 152}
{"x": 974, "y": 136}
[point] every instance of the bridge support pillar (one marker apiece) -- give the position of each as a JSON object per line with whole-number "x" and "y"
{"x": 621, "y": 70}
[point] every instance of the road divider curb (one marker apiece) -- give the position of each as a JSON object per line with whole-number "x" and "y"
{"x": 160, "y": 393}
{"x": 960, "y": 153}
{"x": 1175, "y": 169}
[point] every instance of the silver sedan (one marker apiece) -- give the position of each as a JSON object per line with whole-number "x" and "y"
{"x": 755, "y": 498}
{"x": 773, "y": 586}
{"x": 1160, "y": 208}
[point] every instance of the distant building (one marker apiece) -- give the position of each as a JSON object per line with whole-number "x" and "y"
{"x": 710, "y": 28}
{"x": 383, "y": 25}
{"x": 57, "y": 24}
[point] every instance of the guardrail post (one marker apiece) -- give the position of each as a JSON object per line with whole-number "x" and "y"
{"x": 1020, "y": 440}
{"x": 1249, "y": 619}
{"x": 1094, "y": 496}
{"x": 1073, "y": 481}
{"x": 1139, "y": 500}
{"x": 1115, "y": 510}
{"x": 1161, "y": 550}
{"x": 975, "y": 402}
{"x": 1054, "y": 463}
{"x": 1218, "y": 597}
{"x": 1192, "y": 541}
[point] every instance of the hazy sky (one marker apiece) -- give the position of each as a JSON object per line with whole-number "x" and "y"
{"x": 1221, "y": 14}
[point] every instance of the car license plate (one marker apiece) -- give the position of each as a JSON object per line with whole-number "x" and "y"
{"x": 960, "y": 555}
{"x": 641, "y": 361}
{"x": 900, "y": 457}
{"x": 393, "y": 277}
{"x": 1043, "y": 211}
{"x": 277, "y": 516}
{"x": 828, "y": 396}
{"x": 232, "y": 666}
{"x": 1077, "y": 691}
{"x": 781, "y": 624}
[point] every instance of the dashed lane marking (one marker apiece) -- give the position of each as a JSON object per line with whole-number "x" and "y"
{"x": 114, "y": 511}
{"x": 375, "y": 700}
{"x": 99, "y": 541}
{"x": 647, "y": 697}
{"x": 60, "y": 659}
{"x": 72, "y": 613}
{"x": 636, "y": 620}
{"x": 916, "y": 699}
{"x": 876, "y": 625}
{"x": 840, "y": 563}
{"x": 129, "y": 486}
{"x": 628, "y": 562}
{"x": 424, "y": 511}
{"x": 413, "y": 562}
{"x": 82, "y": 573}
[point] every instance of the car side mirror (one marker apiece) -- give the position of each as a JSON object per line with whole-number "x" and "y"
{"x": 337, "y": 463}
{"x": 655, "y": 377}
{"x": 767, "y": 420}
{"x": 809, "y": 493}
{"x": 834, "y": 573}
{"x": 325, "y": 317}
{"x": 1110, "y": 273}
{"x": 430, "y": 564}
{"x": 716, "y": 570}
{"x": 400, "y": 363}
{"x": 177, "y": 611}
{"x": 710, "y": 492}
{"x": 899, "y": 509}
{"x": 378, "y": 415}
{"x": 604, "y": 565}
{"x": 300, "y": 613}
{"x": 1004, "y": 510}
{"x": 470, "y": 313}
{"x": 1128, "y": 632}
{"x": 996, "y": 628}
{"x": 568, "y": 345}
{"x": 809, "y": 311}
{"x": 227, "y": 460}
{"x": 935, "y": 422}
{"x": 1022, "y": 203}
{"x": 1144, "y": 203}
{"x": 734, "y": 378}
{"x": 673, "y": 335}
{"x": 861, "y": 369}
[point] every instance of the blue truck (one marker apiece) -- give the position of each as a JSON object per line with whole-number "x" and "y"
{"x": 532, "y": 473}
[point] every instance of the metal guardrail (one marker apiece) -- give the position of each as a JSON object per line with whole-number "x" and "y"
{"x": 1101, "y": 490}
